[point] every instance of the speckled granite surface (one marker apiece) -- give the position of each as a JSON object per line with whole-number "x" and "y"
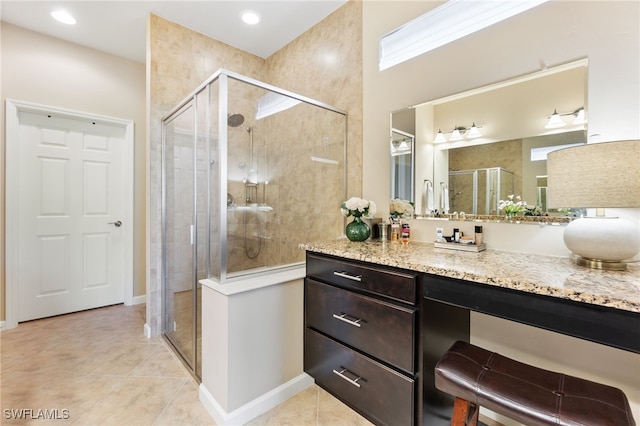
{"x": 553, "y": 276}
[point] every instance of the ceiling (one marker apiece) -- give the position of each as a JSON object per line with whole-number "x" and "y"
{"x": 119, "y": 26}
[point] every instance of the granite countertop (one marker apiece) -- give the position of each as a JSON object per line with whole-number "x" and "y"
{"x": 533, "y": 273}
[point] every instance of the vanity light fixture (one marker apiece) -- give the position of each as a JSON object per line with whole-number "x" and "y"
{"x": 473, "y": 132}
{"x": 445, "y": 24}
{"x": 556, "y": 121}
{"x": 439, "y": 137}
{"x": 63, "y": 16}
{"x": 400, "y": 147}
{"x": 597, "y": 175}
{"x": 458, "y": 133}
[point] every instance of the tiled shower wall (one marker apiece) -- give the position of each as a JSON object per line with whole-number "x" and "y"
{"x": 324, "y": 64}
{"x": 302, "y": 195}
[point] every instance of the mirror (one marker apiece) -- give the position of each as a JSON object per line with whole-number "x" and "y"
{"x": 402, "y": 165}
{"x": 482, "y": 146}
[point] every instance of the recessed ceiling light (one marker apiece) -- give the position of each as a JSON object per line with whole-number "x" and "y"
{"x": 63, "y": 16}
{"x": 250, "y": 17}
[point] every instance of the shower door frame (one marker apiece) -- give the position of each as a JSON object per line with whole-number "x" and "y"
{"x": 222, "y": 76}
{"x": 191, "y": 103}
{"x": 489, "y": 171}
{"x": 223, "y": 91}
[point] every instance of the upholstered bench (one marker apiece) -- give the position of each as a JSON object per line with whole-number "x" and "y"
{"x": 527, "y": 394}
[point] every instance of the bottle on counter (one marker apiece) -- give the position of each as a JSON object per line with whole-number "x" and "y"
{"x": 478, "y": 235}
{"x": 405, "y": 232}
{"x": 395, "y": 231}
{"x": 456, "y": 235}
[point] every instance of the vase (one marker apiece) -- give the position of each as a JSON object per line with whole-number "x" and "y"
{"x": 357, "y": 230}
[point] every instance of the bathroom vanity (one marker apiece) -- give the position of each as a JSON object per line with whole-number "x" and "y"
{"x": 379, "y": 315}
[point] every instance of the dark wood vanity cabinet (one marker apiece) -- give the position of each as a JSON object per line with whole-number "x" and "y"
{"x": 374, "y": 333}
{"x": 362, "y": 337}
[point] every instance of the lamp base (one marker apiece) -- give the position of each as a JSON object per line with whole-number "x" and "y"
{"x": 602, "y": 242}
{"x": 601, "y": 264}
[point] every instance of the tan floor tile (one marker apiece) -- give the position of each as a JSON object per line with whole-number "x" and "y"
{"x": 134, "y": 400}
{"x": 99, "y": 366}
{"x": 299, "y": 410}
{"x": 185, "y": 409}
{"x": 161, "y": 363}
{"x": 332, "y": 412}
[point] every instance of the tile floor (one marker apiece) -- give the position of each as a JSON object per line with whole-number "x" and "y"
{"x": 97, "y": 368}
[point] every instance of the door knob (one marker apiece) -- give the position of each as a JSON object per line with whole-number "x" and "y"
{"x": 117, "y": 223}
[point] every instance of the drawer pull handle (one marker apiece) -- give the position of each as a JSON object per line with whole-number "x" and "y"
{"x": 343, "y": 317}
{"x": 354, "y": 382}
{"x": 348, "y": 276}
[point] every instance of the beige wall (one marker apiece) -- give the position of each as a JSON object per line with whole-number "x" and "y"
{"x": 53, "y": 72}
{"x": 554, "y": 33}
{"x": 325, "y": 64}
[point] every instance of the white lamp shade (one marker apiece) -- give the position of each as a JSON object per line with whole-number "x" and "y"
{"x": 455, "y": 135}
{"x": 473, "y": 132}
{"x": 555, "y": 121}
{"x": 439, "y": 137}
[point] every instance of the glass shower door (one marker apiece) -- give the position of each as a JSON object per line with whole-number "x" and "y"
{"x": 178, "y": 222}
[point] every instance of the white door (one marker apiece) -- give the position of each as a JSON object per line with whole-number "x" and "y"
{"x": 71, "y": 214}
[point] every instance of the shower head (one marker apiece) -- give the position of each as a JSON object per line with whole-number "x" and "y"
{"x": 235, "y": 120}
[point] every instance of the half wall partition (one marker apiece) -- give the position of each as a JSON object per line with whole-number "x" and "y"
{"x": 249, "y": 172}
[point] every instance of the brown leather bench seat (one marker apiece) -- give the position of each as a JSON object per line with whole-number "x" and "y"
{"x": 525, "y": 393}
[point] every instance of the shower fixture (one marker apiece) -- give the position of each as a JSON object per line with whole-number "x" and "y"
{"x": 235, "y": 120}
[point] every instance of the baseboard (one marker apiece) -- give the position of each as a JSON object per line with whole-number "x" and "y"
{"x": 258, "y": 406}
{"x": 138, "y": 300}
{"x": 147, "y": 331}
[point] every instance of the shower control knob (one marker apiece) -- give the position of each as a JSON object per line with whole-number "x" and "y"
{"x": 117, "y": 223}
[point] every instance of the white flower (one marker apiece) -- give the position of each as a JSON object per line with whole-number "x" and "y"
{"x": 352, "y": 203}
{"x": 373, "y": 209}
{"x": 398, "y": 207}
{"x": 355, "y": 206}
{"x": 510, "y": 207}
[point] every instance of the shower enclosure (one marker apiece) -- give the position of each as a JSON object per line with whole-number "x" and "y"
{"x": 249, "y": 172}
{"x": 478, "y": 191}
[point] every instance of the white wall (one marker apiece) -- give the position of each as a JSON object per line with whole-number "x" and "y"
{"x": 605, "y": 32}
{"x": 252, "y": 345}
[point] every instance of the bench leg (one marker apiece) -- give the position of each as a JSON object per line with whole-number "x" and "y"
{"x": 464, "y": 413}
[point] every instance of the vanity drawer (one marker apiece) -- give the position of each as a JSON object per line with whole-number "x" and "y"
{"x": 378, "y": 392}
{"x": 381, "y": 329}
{"x": 383, "y": 281}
